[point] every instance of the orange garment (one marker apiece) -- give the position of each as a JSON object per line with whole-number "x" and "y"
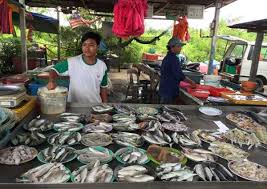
{"x": 6, "y": 23}
{"x": 180, "y": 30}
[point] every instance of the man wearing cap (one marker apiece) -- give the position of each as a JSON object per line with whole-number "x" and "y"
{"x": 171, "y": 73}
{"x": 88, "y": 75}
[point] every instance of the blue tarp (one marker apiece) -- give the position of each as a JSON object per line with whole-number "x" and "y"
{"x": 40, "y": 22}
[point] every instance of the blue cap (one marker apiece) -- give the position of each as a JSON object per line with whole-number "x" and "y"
{"x": 175, "y": 42}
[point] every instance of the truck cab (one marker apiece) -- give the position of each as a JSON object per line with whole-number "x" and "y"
{"x": 238, "y": 55}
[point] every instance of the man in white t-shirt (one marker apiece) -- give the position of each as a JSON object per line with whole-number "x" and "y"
{"x": 88, "y": 75}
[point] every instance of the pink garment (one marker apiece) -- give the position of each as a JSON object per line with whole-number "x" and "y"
{"x": 129, "y": 18}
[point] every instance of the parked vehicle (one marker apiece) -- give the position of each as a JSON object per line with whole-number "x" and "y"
{"x": 238, "y": 54}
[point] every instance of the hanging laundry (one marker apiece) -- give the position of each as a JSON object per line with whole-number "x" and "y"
{"x": 129, "y": 18}
{"x": 180, "y": 30}
{"x": 6, "y": 25}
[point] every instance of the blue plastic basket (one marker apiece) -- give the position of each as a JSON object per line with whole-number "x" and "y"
{"x": 33, "y": 88}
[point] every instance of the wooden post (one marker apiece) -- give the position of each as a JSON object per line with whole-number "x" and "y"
{"x": 215, "y": 24}
{"x": 58, "y": 35}
{"x": 256, "y": 56}
{"x": 24, "y": 59}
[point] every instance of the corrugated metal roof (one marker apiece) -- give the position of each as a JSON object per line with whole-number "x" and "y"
{"x": 257, "y": 25}
{"x": 107, "y": 5}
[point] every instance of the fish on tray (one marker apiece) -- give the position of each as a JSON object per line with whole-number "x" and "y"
{"x": 103, "y": 108}
{"x": 212, "y": 171}
{"x": 46, "y": 173}
{"x": 174, "y": 172}
{"x": 71, "y": 117}
{"x": 96, "y": 139}
{"x": 127, "y": 139}
{"x": 39, "y": 124}
{"x": 227, "y": 151}
{"x": 69, "y": 138}
{"x": 134, "y": 173}
{"x": 68, "y": 126}
{"x": 92, "y": 154}
{"x": 150, "y": 125}
{"x": 198, "y": 154}
{"x": 176, "y": 127}
{"x": 101, "y": 127}
{"x": 17, "y": 155}
{"x": 157, "y": 137}
{"x": 33, "y": 138}
{"x": 124, "y": 117}
{"x": 131, "y": 155}
{"x": 60, "y": 154}
{"x": 237, "y": 136}
{"x": 186, "y": 139}
{"x": 124, "y": 108}
{"x": 165, "y": 155}
{"x": 93, "y": 174}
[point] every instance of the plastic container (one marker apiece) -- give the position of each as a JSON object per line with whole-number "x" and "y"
{"x": 33, "y": 88}
{"x": 194, "y": 76}
{"x": 213, "y": 80}
{"x": 53, "y": 101}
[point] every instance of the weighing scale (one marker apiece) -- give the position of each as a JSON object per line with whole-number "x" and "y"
{"x": 12, "y": 95}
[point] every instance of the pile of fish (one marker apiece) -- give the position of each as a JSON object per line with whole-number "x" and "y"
{"x": 240, "y": 137}
{"x": 249, "y": 170}
{"x": 198, "y": 154}
{"x": 208, "y": 136}
{"x": 261, "y": 133}
{"x": 39, "y": 124}
{"x": 227, "y": 151}
{"x": 157, "y": 137}
{"x": 146, "y": 110}
{"x": 92, "y": 154}
{"x": 152, "y": 125}
{"x": 175, "y": 112}
{"x": 68, "y": 126}
{"x": 174, "y": 172}
{"x": 176, "y": 127}
{"x": 186, "y": 139}
{"x": 125, "y": 122}
{"x": 102, "y": 108}
{"x": 127, "y": 139}
{"x": 165, "y": 155}
{"x": 46, "y": 173}
{"x": 71, "y": 117}
{"x": 17, "y": 155}
{"x": 65, "y": 138}
{"x": 213, "y": 172}
{"x": 96, "y": 139}
{"x": 243, "y": 121}
{"x": 134, "y": 173}
{"x": 93, "y": 174}
{"x": 60, "y": 154}
{"x": 33, "y": 138}
{"x": 132, "y": 155}
{"x": 96, "y": 127}
{"x": 99, "y": 118}
{"x": 123, "y": 108}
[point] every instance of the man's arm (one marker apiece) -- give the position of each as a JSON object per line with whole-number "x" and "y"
{"x": 104, "y": 94}
{"x": 104, "y": 88}
{"x": 59, "y": 68}
{"x": 52, "y": 80}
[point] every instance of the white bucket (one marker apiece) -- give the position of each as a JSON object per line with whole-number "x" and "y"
{"x": 213, "y": 80}
{"x": 53, "y": 101}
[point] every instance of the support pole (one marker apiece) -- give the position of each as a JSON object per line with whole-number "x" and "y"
{"x": 256, "y": 56}
{"x": 215, "y": 24}
{"x": 58, "y": 35}
{"x": 24, "y": 59}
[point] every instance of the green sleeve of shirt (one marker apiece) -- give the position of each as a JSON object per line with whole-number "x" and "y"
{"x": 104, "y": 82}
{"x": 61, "y": 67}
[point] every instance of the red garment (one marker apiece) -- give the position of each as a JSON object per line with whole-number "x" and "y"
{"x": 129, "y": 18}
{"x": 180, "y": 30}
{"x": 5, "y": 17}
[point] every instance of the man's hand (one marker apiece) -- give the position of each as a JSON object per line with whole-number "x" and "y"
{"x": 51, "y": 85}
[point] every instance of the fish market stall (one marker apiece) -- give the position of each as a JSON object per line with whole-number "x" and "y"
{"x": 110, "y": 146}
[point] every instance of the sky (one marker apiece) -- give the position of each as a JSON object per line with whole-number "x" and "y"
{"x": 244, "y": 10}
